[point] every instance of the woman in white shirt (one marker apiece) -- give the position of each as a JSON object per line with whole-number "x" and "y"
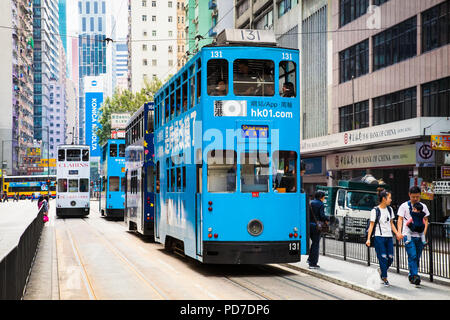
{"x": 382, "y": 220}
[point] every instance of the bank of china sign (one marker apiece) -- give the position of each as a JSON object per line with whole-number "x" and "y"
{"x": 399, "y": 130}
{"x": 385, "y": 157}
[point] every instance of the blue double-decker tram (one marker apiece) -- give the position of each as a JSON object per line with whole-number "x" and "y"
{"x": 227, "y": 140}
{"x": 139, "y": 164}
{"x": 113, "y": 183}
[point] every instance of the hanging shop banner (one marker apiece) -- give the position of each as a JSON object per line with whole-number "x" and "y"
{"x": 386, "y": 157}
{"x": 425, "y": 155}
{"x": 442, "y": 187}
{"x": 427, "y": 190}
{"x": 445, "y": 172}
{"x": 93, "y": 88}
{"x": 440, "y": 143}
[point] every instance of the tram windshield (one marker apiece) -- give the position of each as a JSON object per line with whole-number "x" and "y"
{"x": 255, "y": 172}
{"x": 253, "y": 77}
{"x": 221, "y": 171}
{"x": 73, "y": 155}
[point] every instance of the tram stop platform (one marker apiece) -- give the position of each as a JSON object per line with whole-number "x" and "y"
{"x": 15, "y": 217}
{"x": 365, "y": 279}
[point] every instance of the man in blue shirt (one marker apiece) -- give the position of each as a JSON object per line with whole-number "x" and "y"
{"x": 317, "y": 213}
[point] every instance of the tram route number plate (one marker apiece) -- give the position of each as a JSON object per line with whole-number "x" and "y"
{"x": 73, "y": 172}
{"x": 294, "y": 246}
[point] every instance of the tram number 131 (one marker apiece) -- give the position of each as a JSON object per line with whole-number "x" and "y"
{"x": 250, "y": 35}
{"x": 294, "y": 246}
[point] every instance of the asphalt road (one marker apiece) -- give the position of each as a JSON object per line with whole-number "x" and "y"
{"x": 96, "y": 259}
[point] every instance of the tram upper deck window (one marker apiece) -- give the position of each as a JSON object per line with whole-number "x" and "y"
{"x": 121, "y": 150}
{"x": 217, "y": 77}
{"x": 284, "y": 171}
{"x": 85, "y": 154}
{"x": 113, "y": 150}
{"x": 73, "y": 155}
{"x": 253, "y": 77}
{"x": 255, "y": 172}
{"x": 61, "y": 155}
{"x": 221, "y": 171}
{"x": 287, "y": 79}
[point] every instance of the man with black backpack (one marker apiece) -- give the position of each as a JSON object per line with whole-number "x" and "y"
{"x": 413, "y": 247}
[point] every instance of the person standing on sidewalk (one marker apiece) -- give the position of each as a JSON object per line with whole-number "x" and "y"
{"x": 415, "y": 246}
{"x": 317, "y": 215}
{"x": 382, "y": 220}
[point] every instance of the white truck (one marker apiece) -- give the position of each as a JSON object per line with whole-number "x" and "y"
{"x": 353, "y": 200}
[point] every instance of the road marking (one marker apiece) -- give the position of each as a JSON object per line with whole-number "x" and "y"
{"x": 168, "y": 266}
{"x": 207, "y": 292}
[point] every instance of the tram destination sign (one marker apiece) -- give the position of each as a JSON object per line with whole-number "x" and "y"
{"x": 246, "y": 36}
{"x": 252, "y": 131}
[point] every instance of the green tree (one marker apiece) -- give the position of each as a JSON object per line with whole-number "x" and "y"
{"x": 124, "y": 101}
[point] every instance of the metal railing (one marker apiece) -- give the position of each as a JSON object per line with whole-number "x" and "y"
{"x": 16, "y": 265}
{"x": 435, "y": 259}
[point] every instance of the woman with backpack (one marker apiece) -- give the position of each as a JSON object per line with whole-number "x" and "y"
{"x": 382, "y": 221}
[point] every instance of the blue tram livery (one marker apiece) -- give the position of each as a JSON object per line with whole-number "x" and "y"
{"x": 227, "y": 144}
{"x": 139, "y": 163}
{"x": 112, "y": 194}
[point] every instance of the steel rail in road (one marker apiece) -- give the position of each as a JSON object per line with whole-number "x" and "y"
{"x": 128, "y": 263}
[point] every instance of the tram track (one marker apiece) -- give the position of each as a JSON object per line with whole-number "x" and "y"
{"x": 128, "y": 263}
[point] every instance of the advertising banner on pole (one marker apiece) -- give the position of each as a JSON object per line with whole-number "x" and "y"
{"x": 440, "y": 143}
{"x": 93, "y": 88}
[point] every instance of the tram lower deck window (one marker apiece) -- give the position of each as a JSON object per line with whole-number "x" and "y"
{"x": 221, "y": 171}
{"x": 84, "y": 185}
{"x": 284, "y": 171}
{"x": 253, "y": 77}
{"x": 73, "y": 185}
{"x": 255, "y": 172}
{"x": 62, "y": 185}
{"x": 114, "y": 184}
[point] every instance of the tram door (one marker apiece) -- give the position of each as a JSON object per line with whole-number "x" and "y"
{"x": 157, "y": 209}
{"x": 198, "y": 211}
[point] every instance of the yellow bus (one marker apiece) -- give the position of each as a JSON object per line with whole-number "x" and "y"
{"x": 26, "y": 186}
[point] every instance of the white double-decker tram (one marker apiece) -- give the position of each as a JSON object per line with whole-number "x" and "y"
{"x": 73, "y": 173}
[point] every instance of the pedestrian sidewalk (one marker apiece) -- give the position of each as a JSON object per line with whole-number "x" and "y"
{"x": 366, "y": 279}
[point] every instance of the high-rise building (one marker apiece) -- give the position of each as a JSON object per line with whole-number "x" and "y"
{"x": 121, "y": 60}
{"x": 62, "y": 5}
{"x": 205, "y": 19}
{"x": 46, "y": 64}
{"x": 181, "y": 34}
{"x": 16, "y": 84}
{"x": 92, "y": 48}
{"x": 152, "y": 41}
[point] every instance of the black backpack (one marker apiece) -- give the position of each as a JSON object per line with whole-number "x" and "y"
{"x": 377, "y": 222}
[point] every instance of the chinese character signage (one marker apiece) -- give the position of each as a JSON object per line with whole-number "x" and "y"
{"x": 445, "y": 172}
{"x": 119, "y": 120}
{"x": 440, "y": 143}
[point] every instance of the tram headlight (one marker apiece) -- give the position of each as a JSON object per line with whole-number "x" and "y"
{"x": 255, "y": 227}
{"x": 73, "y": 203}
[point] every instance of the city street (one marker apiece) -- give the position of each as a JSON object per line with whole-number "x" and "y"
{"x": 94, "y": 258}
